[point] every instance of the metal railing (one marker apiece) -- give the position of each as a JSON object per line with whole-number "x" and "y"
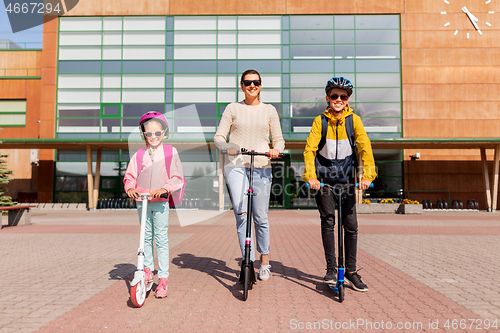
{"x": 13, "y": 46}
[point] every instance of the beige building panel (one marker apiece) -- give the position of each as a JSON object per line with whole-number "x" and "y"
{"x": 453, "y": 92}
{"x": 436, "y": 21}
{"x": 18, "y": 59}
{"x": 432, "y": 6}
{"x": 451, "y": 57}
{"x": 344, "y": 6}
{"x": 458, "y": 109}
{"x": 446, "y": 39}
{"x": 121, "y": 7}
{"x": 452, "y": 128}
{"x": 453, "y": 75}
{"x": 230, "y": 7}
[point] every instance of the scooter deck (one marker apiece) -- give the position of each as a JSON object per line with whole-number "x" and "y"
{"x": 333, "y": 286}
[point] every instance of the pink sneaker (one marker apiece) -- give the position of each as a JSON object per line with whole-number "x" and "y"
{"x": 149, "y": 275}
{"x": 161, "y": 290}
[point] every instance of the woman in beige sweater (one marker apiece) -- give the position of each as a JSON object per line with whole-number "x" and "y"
{"x": 251, "y": 122}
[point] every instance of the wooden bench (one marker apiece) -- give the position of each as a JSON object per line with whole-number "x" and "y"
{"x": 18, "y": 215}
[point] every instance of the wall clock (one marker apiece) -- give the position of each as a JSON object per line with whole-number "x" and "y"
{"x": 477, "y": 7}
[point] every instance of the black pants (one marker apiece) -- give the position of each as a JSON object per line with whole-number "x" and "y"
{"x": 325, "y": 199}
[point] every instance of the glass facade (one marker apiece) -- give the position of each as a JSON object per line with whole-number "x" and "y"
{"x": 113, "y": 69}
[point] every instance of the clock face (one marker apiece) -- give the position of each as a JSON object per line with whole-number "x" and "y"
{"x": 470, "y": 17}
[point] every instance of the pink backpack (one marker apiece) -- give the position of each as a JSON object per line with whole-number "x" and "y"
{"x": 175, "y": 198}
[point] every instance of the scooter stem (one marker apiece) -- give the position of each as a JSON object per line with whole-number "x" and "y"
{"x": 250, "y": 194}
{"x": 140, "y": 251}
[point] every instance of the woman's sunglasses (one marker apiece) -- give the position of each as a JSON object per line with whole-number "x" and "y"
{"x": 150, "y": 134}
{"x": 342, "y": 97}
{"x": 249, "y": 82}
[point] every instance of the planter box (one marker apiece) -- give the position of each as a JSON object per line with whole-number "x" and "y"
{"x": 395, "y": 208}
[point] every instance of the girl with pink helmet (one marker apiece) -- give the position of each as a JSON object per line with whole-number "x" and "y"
{"x": 156, "y": 170}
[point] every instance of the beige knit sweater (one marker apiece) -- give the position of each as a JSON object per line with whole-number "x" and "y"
{"x": 250, "y": 127}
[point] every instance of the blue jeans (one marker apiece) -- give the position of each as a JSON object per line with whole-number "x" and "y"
{"x": 157, "y": 226}
{"x": 237, "y": 179}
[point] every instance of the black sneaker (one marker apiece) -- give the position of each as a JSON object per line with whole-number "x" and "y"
{"x": 355, "y": 281}
{"x": 331, "y": 276}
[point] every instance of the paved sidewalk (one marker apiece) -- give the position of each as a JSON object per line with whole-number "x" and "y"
{"x": 70, "y": 272}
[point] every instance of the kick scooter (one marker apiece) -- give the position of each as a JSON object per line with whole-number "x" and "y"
{"x": 339, "y": 190}
{"x": 247, "y": 273}
{"x": 139, "y": 287}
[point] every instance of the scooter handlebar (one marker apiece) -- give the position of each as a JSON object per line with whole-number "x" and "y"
{"x": 251, "y": 152}
{"x": 323, "y": 185}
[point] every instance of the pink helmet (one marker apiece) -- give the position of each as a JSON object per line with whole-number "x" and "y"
{"x": 154, "y": 115}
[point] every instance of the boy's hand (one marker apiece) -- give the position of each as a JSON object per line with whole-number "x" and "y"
{"x": 157, "y": 193}
{"x": 314, "y": 184}
{"x": 364, "y": 184}
{"x": 133, "y": 193}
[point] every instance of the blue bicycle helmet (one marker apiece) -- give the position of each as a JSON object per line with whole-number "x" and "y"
{"x": 341, "y": 83}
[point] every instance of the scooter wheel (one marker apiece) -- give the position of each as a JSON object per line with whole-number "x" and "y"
{"x": 246, "y": 282}
{"x": 341, "y": 293}
{"x": 138, "y": 294}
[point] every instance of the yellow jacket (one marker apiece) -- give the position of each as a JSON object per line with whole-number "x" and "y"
{"x": 334, "y": 149}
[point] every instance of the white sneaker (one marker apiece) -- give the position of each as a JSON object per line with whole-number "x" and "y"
{"x": 265, "y": 272}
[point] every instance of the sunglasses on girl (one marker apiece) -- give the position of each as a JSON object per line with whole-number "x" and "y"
{"x": 342, "y": 97}
{"x": 150, "y": 134}
{"x": 249, "y": 82}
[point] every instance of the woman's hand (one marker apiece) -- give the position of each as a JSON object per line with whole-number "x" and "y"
{"x": 273, "y": 153}
{"x": 232, "y": 151}
{"x": 133, "y": 193}
{"x": 157, "y": 193}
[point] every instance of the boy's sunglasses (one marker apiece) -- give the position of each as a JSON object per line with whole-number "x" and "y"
{"x": 249, "y": 82}
{"x": 342, "y": 97}
{"x": 150, "y": 134}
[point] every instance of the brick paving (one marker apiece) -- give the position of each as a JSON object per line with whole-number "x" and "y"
{"x": 70, "y": 272}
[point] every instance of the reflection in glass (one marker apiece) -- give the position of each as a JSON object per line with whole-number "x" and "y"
{"x": 311, "y": 51}
{"x": 377, "y": 36}
{"x": 344, "y": 22}
{"x": 378, "y": 95}
{"x": 311, "y": 37}
{"x": 377, "y": 22}
{"x": 311, "y": 22}
{"x": 344, "y": 36}
{"x": 379, "y": 109}
{"x": 307, "y": 109}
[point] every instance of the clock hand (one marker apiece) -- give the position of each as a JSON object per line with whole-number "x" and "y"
{"x": 472, "y": 18}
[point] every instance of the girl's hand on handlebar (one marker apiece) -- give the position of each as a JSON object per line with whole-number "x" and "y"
{"x": 314, "y": 184}
{"x": 364, "y": 184}
{"x": 132, "y": 193}
{"x": 232, "y": 151}
{"x": 273, "y": 153}
{"x": 157, "y": 193}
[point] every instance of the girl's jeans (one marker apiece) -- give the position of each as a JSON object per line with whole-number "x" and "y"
{"x": 157, "y": 226}
{"x": 237, "y": 179}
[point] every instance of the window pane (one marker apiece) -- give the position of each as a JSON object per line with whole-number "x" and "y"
{"x": 80, "y": 38}
{"x": 227, "y": 22}
{"x": 227, "y": 37}
{"x": 143, "y": 96}
{"x": 192, "y": 66}
{"x": 144, "y": 66}
{"x": 377, "y": 21}
{"x": 12, "y": 105}
{"x": 304, "y": 66}
{"x": 378, "y": 66}
{"x": 79, "y": 113}
{"x": 111, "y": 96}
{"x": 227, "y": 66}
{"x": 259, "y": 52}
{"x": 80, "y": 23}
{"x": 307, "y": 110}
{"x": 378, "y": 80}
{"x": 308, "y": 95}
{"x": 195, "y": 38}
{"x": 79, "y": 53}
{"x": 378, "y": 95}
{"x": 226, "y": 95}
{"x": 195, "y": 96}
{"x": 378, "y": 109}
{"x": 195, "y": 52}
{"x": 143, "y": 38}
{"x": 311, "y": 37}
{"x": 301, "y": 125}
{"x": 377, "y": 36}
{"x": 311, "y": 22}
{"x": 310, "y": 80}
{"x": 199, "y": 110}
{"x": 262, "y": 66}
{"x": 195, "y": 22}
{"x": 271, "y": 95}
{"x": 377, "y": 51}
{"x": 227, "y": 52}
{"x": 144, "y": 23}
{"x": 262, "y": 22}
{"x": 13, "y": 119}
{"x": 344, "y": 22}
{"x": 344, "y": 36}
{"x": 143, "y": 81}
{"x": 382, "y": 125}
{"x": 79, "y": 81}
{"x": 259, "y": 37}
{"x": 312, "y": 51}
{"x": 194, "y": 81}
{"x": 111, "y": 66}
{"x": 112, "y": 23}
{"x": 112, "y": 38}
{"x": 227, "y": 81}
{"x": 137, "y": 110}
{"x": 344, "y": 51}
{"x": 112, "y": 52}
{"x": 142, "y": 52}
{"x": 110, "y": 110}
{"x": 271, "y": 80}
{"x": 79, "y": 96}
